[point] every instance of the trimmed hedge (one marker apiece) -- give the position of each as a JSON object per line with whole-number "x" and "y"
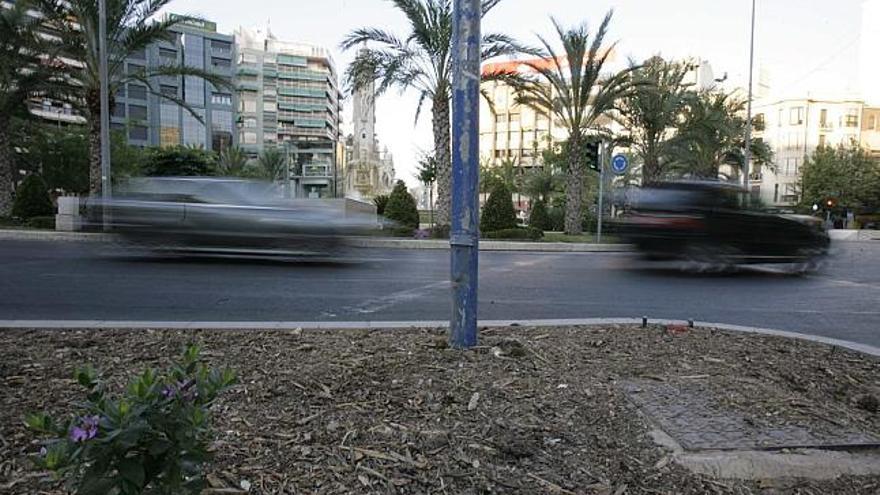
{"x": 498, "y": 212}
{"x": 32, "y": 199}
{"x": 401, "y": 207}
{"x": 518, "y": 234}
{"x": 539, "y": 217}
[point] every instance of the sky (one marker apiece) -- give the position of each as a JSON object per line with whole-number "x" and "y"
{"x": 805, "y": 47}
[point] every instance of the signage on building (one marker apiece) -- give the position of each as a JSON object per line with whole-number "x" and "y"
{"x": 194, "y": 22}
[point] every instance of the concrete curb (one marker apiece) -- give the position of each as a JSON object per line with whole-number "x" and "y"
{"x": 341, "y": 325}
{"x": 362, "y": 242}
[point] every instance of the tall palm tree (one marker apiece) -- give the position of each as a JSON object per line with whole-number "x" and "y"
{"x": 232, "y": 161}
{"x": 652, "y": 108}
{"x": 132, "y": 27}
{"x": 572, "y": 86}
{"x": 27, "y": 71}
{"x": 421, "y": 61}
{"x": 272, "y": 163}
{"x": 711, "y": 134}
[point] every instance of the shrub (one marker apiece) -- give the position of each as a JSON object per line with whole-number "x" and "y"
{"x": 498, "y": 212}
{"x": 518, "y": 234}
{"x": 381, "y": 203}
{"x": 152, "y": 439}
{"x": 401, "y": 207}
{"x": 32, "y": 199}
{"x": 179, "y": 161}
{"x": 539, "y": 217}
{"x": 402, "y": 232}
{"x": 41, "y": 223}
{"x": 557, "y": 219}
{"x": 440, "y": 232}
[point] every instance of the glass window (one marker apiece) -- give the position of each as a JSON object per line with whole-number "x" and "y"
{"x": 249, "y": 105}
{"x": 139, "y": 55}
{"x": 138, "y": 132}
{"x": 796, "y": 116}
{"x": 249, "y": 138}
{"x": 193, "y": 130}
{"x": 823, "y": 117}
{"x": 136, "y": 92}
{"x": 118, "y": 110}
{"x": 136, "y": 69}
{"x": 168, "y": 90}
{"x": 872, "y": 122}
{"x": 167, "y": 55}
{"x": 821, "y": 140}
{"x": 852, "y": 118}
{"x": 137, "y": 112}
{"x": 221, "y": 63}
{"x": 221, "y": 98}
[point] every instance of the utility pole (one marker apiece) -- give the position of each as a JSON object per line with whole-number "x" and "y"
{"x": 747, "y": 154}
{"x": 464, "y": 238}
{"x": 106, "y": 193}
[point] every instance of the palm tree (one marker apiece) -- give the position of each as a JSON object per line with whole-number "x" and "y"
{"x": 573, "y": 88}
{"x": 272, "y": 163}
{"x": 542, "y": 182}
{"x": 232, "y": 162}
{"x": 427, "y": 176}
{"x": 421, "y": 60}
{"x": 27, "y": 71}
{"x": 710, "y": 135}
{"x": 131, "y": 29}
{"x": 652, "y": 108}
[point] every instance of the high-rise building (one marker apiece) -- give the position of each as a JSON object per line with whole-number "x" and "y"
{"x": 288, "y": 96}
{"x": 151, "y": 120}
{"x": 794, "y": 128}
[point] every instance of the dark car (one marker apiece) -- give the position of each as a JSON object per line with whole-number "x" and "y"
{"x": 229, "y": 216}
{"x": 709, "y": 226}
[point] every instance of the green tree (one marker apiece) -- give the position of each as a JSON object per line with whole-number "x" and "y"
{"x": 23, "y": 77}
{"x": 271, "y": 164}
{"x": 658, "y": 97}
{"x": 574, "y": 88}
{"x": 712, "y": 134}
{"x": 543, "y": 182}
{"x": 181, "y": 161}
{"x": 506, "y": 172}
{"x": 32, "y": 199}
{"x": 498, "y": 212}
{"x": 132, "y": 26}
{"x": 401, "y": 207}
{"x": 421, "y": 60}
{"x": 381, "y": 202}
{"x": 848, "y": 174}
{"x": 232, "y": 162}
{"x": 428, "y": 176}
{"x": 539, "y": 217}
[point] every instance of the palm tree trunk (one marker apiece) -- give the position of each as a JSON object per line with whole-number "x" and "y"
{"x": 95, "y": 154}
{"x": 6, "y": 172}
{"x": 574, "y": 188}
{"x": 442, "y": 146}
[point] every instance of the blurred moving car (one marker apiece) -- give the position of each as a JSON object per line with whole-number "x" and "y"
{"x": 708, "y": 226}
{"x": 228, "y": 216}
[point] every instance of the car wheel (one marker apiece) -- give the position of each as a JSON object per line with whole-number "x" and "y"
{"x": 709, "y": 258}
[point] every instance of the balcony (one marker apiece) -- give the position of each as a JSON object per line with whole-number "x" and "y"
{"x": 247, "y": 86}
{"x": 248, "y": 71}
{"x": 318, "y": 93}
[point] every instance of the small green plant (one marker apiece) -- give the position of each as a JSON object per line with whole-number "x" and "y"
{"x": 401, "y": 208}
{"x": 498, "y": 212}
{"x": 152, "y": 439}
{"x": 518, "y": 234}
{"x": 539, "y": 218}
{"x": 32, "y": 199}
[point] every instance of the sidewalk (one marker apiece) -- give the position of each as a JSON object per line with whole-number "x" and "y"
{"x": 606, "y": 409}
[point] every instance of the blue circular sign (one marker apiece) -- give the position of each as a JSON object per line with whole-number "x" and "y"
{"x": 619, "y": 164}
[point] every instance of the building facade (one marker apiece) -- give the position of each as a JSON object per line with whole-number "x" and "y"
{"x": 368, "y": 172}
{"x": 794, "y": 128}
{"x": 288, "y": 96}
{"x": 150, "y": 120}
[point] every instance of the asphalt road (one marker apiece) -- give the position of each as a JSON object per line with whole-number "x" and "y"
{"x": 81, "y": 281}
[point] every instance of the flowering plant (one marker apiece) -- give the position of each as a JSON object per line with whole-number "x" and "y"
{"x": 152, "y": 439}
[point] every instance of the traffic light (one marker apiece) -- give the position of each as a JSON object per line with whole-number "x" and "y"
{"x": 592, "y": 155}
{"x": 830, "y": 203}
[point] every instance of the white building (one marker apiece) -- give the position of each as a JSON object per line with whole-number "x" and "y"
{"x": 794, "y": 128}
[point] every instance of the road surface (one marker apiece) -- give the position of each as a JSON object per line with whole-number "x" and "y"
{"x": 80, "y": 281}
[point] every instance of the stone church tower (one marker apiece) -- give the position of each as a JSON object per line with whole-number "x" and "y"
{"x": 368, "y": 172}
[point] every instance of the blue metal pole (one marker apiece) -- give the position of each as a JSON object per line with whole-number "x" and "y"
{"x": 465, "y": 234}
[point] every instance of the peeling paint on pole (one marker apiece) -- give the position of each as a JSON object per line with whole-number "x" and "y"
{"x": 465, "y": 235}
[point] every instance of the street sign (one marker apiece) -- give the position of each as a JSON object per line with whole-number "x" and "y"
{"x": 619, "y": 164}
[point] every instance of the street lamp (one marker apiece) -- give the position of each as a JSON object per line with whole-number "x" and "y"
{"x": 747, "y": 156}
{"x": 106, "y": 193}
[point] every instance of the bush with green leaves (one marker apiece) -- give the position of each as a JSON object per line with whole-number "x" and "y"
{"x": 179, "y": 161}
{"x": 539, "y": 217}
{"x": 153, "y": 438}
{"x": 381, "y": 203}
{"x": 498, "y": 212}
{"x": 517, "y": 234}
{"x": 46, "y": 223}
{"x": 401, "y": 207}
{"x": 32, "y": 199}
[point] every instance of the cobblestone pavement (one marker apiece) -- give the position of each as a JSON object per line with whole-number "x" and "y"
{"x": 696, "y": 418}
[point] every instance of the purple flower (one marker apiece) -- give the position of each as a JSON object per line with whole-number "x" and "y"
{"x": 422, "y": 234}
{"x": 87, "y": 429}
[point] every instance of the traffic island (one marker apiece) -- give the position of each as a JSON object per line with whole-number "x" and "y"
{"x": 608, "y": 410}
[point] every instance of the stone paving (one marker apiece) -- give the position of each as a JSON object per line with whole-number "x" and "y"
{"x": 696, "y": 418}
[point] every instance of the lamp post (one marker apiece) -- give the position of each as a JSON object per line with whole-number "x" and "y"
{"x": 465, "y": 234}
{"x": 106, "y": 193}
